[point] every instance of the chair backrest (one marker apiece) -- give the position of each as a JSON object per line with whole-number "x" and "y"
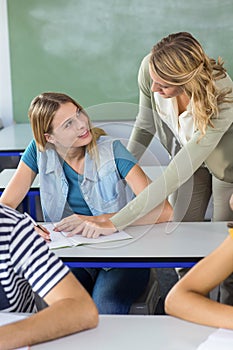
{"x": 155, "y": 153}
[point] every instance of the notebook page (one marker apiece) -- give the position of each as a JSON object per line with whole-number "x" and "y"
{"x": 60, "y": 240}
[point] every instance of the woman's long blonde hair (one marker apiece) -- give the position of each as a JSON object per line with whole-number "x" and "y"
{"x": 41, "y": 114}
{"x": 179, "y": 60}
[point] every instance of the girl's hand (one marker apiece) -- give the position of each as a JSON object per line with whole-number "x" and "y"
{"x": 70, "y": 223}
{"x": 43, "y": 232}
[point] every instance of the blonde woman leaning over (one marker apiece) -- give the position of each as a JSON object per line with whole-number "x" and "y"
{"x": 186, "y": 99}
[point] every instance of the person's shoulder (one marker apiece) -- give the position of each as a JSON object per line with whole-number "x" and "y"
{"x": 9, "y": 215}
{"x": 32, "y": 144}
{"x": 115, "y": 142}
{"x": 144, "y": 66}
{"x": 31, "y": 148}
{"x": 104, "y": 143}
{"x": 144, "y": 79}
{"x": 146, "y": 59}
{"x": 105, "y": 140}
{"x": 225, "y": 82}
{"x": 120, "y": 151}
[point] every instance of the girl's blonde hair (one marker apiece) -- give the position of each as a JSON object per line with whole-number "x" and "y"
{"x": 179, "y": 60}
{"x": 41, "y": 114}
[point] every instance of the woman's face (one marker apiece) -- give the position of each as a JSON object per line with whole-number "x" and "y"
{"x": 164, "y": 89}
{"x": 70, "y": 128}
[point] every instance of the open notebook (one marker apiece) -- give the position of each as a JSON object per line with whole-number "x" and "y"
{"x": 60, "y": 240}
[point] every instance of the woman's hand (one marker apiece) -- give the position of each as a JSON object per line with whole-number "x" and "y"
{"x": 92, "y": 229}
{"x": 88, "y": 226}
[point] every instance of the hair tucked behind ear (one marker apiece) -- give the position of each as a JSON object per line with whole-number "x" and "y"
{"x": 179, "y": 59}
{"x": 92, "y": 147}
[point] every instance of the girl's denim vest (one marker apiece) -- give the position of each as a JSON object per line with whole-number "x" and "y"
{"x": 102, "y": 187}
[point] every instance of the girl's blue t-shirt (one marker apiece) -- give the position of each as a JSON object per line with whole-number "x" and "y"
{"x": 124, "y": 162}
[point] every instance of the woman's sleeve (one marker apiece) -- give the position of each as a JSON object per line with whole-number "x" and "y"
{"x": 144, "y": 127}
{"x": 179, "y": 170}
{"x": 29, "y": 156}
{"x": 124, "y": 160}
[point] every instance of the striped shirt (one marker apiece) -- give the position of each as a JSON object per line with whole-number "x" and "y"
{"x": 26, "y": 263}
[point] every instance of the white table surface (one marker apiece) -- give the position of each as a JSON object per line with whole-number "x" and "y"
{"x": 15, "y": 138}
{"x": 128, "y": 332}
{"x": 186, "y": 241}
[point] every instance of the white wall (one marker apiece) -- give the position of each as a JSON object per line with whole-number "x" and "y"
{"x": 6, "y": 108}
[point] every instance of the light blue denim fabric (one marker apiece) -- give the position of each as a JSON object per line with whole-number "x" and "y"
{"x": 102, "y": 187}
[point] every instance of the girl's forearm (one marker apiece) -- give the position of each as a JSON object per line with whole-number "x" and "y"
{"x": 197, "y": 308}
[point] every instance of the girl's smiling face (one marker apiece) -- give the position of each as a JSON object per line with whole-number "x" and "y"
{"x": 71, "y": 128}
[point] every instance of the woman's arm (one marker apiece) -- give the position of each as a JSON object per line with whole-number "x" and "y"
{"x": 70, "y": 310}
{"x": 180, "y": 169}
{"x": 19, "y": 186}
{"x": 17, "y": 189}
{"x": 188, "y": 300}
{"x": 231, "y": 202}
{"x": 138, "y": 181}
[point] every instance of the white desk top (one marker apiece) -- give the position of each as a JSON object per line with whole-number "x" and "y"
{"x": 134, "y": 333}
{"x": 172, "y": 242}
{"x": 15, "y": 138}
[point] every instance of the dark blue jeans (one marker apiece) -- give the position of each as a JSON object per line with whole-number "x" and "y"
{"x": 114, "y": 290}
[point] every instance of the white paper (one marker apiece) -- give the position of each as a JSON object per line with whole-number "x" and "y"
{"x": 59, "y": 239}
{"x": 222, "y": 339}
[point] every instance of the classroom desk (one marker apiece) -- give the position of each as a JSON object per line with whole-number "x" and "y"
{"x": 128, "y": 332}
{"x": 5, "y": 177}
{"x": 161, "y": 245}
{"x": 14, "y": 139}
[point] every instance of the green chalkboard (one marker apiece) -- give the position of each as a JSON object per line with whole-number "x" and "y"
{"x": 91, "y": 49}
